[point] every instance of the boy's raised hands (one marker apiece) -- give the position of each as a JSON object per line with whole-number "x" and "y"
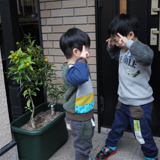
{"x": 85, "y": 52}
{"x": 117, "y": 40}
{"x": 122, "y": 40}
{"x": 110, "y": 42}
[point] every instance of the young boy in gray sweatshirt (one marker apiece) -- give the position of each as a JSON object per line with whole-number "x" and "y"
{"x": 135, "y": 93}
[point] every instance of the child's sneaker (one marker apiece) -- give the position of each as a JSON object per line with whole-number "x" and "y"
{"x": 105, "y": 153}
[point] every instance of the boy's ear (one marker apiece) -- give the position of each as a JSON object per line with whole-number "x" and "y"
{"x": 75, "y": 52}
{"x": 131, "y": 35}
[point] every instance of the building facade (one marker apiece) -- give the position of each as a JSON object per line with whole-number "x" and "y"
{"x": 56, "y": 18}
{"x": 93, "y": 17}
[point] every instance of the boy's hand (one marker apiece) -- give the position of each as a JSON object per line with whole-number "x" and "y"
{"x": 122, "y": 40}
{"x": 85, "y": 53}
{"x": 110, "y": 42}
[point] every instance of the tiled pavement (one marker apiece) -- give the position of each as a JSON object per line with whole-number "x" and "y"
{"x": 128, "y": 148}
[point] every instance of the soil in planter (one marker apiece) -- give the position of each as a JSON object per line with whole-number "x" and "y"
{"x": 41, "y": 120}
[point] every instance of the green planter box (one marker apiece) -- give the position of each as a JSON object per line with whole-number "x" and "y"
{"x": 40, "y": 144}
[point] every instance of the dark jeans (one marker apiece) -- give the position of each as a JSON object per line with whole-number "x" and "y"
{"x": 140, "y": 128}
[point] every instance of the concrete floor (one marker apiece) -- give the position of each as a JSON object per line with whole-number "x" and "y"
{"x": 128, "y": 148}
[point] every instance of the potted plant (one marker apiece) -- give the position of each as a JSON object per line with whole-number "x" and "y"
{"x": 31, "y": 70}
{"x": 55, "y": 90}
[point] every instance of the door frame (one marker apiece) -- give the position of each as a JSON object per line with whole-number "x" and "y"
{"x": 98, "y": 5}
{"x": 100, "y": 100}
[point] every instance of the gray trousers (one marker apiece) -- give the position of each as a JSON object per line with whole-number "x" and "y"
{"x": 82, "y": 146}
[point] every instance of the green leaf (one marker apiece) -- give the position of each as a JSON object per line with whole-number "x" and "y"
{"x": 49, "y": 104}
{"x": 14, "y": 68}
{"x": 36, "y": 83}
{"x": 21, "y": 66}
{"x": 10, "y": 56}
{"x": 31, "y": 68}
{"x": 44, "y": 83}
{"x": 28, "y": 103}
{"x": 34, "y": 94}
{"x": 28, "y": 59}
{"x": 11, "y": 52}
{"x": 33, "y": 42}
{"x": 19, "y": 51}
{"x": 29, "y": 90}
{"x": 37, "y": 89}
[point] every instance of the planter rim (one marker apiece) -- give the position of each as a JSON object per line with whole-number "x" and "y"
{"x": 36, "y": 132}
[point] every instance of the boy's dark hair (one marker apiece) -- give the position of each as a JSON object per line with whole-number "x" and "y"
{"x": 124, "y": 23}
{"x": 73, "y": 38}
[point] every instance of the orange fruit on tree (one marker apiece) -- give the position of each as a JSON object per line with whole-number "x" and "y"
{"x": 46, "y": 60}
{"x": 27, "y": 64}
{"x": 15, "y": 57}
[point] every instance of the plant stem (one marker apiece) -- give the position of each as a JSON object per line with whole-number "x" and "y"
{"x": 32, "y": 115}
{"x": 52, "y": 108}
{"x": 32, "y": 123}
{"x": 52, "y": 111}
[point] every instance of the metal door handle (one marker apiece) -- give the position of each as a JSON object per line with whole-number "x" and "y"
{"x": 154, "y": 31}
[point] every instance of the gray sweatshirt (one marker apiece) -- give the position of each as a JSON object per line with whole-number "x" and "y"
{"x": 134, "y": 73}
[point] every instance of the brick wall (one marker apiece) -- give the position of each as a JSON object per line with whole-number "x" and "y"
{"x": 57, "y": 16}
